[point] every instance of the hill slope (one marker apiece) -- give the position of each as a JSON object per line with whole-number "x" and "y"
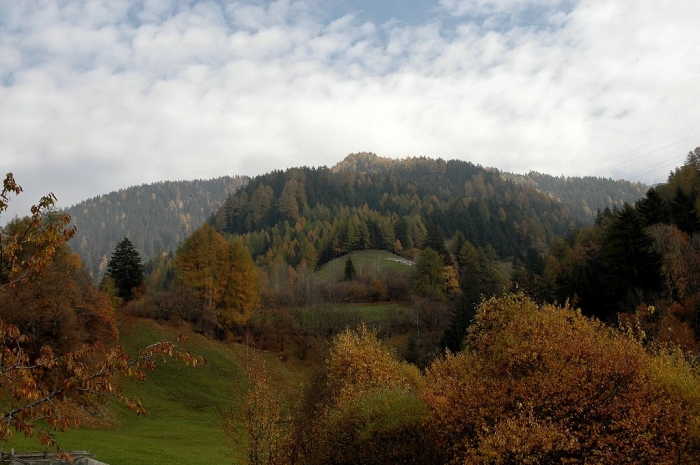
{"x": 182, "y": 425}
{"x": 156, "y": 217}
{"x": 370, "y": 202}
{"x": 583, "y": 196}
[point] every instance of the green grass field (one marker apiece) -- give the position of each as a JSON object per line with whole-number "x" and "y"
{"x": 183, "y": 423}
{"x": 375, "y": 262}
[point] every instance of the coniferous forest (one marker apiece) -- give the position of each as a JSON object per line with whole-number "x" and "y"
{"x": 156, "y": 217}
{"x": 379, "y": 311}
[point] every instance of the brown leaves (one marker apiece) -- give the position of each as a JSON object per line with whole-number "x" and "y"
{"x": 26, "y": 246}
{"x": 543, "y": 384}
{"x": 40, "y": 384}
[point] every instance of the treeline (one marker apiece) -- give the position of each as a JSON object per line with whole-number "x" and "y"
{"x": 157, "y": 217}
{"x": 366, "y": 202}
{"x": 641, "y": 260}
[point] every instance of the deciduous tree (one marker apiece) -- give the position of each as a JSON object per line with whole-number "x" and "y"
{"x": 544, "y": 384}
{"x": 221, "y": 276}
{"x": 35, "y": 389}
{"x": 372, "y": 412}
{"x": 28, "y": 247}
{"x": 429, "y": 276}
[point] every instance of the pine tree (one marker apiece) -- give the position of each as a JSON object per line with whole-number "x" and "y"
{"x": 628, "y": 259}
{"x": 693, "y": 158}
{"x": 653, "y": 208}
{"x": 349, "y": 269}
{"x": 436, "y": 241}
{"x": 126, "y": 269}
{"x": 683, "y": 212}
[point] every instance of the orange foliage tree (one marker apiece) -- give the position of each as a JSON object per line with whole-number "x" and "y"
{"x": 221, "y": 276}
{"x": 39, "y": 387}
{"x": 544, "y": 384}
{"x": 371, "y": 412}
{"x": 60, "y": 307}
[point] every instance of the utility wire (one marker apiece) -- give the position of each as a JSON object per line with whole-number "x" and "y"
{"x": 673, "y": 161}
{"x": 645, "y": 154}
{"x": 642, "y": 146}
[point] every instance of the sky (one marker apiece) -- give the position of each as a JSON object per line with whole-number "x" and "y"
{"x": 101, "y": 95}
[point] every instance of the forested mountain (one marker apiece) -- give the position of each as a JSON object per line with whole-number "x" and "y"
{"x": 642, "y": 259}
{"x": 366, "y": 201}
{"x": 584, "y": 196}
{"x": 156, "y": 217}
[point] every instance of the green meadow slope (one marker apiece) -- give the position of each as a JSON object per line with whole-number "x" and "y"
{"x": 183, "y": 422}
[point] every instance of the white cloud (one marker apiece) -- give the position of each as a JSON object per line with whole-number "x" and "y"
{"x": 139, "y": 92}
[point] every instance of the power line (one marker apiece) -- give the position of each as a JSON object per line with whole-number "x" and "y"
{"x": 644, "y": 145}
{"x": 645, "y": 154}
{"x": 674, "y": 161}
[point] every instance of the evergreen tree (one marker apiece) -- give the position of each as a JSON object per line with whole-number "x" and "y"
{"x": 126, "y": 269}
{"x": 653, "y": 208}
{"x": 683, "y": 211}
{"x": 693, "y": 158}
{"x": 349, "y": 269}
{"x": 629, "y": 261}
{"x": 457, "y": 242}
{"x": 429, "y": 276}
{"x": 436, "y": 241}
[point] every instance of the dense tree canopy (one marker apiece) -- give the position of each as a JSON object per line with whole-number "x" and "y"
{"x": 369, "y": 202}
{"x": 544, "y": 384}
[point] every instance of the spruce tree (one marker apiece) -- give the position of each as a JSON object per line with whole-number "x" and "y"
{"x": 683, "y": 212}
{"x": 653, "y": 208}
{"x": 349, "y": 269}
{"x": 434, "y": 240}
{"x": 629, "y": 262}
{"x": 126, "y": 269}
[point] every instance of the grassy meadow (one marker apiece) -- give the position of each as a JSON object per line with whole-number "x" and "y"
{"x": 183, "y": 423}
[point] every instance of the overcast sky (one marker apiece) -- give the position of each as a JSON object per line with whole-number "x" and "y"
{"x": 100, "y": 95}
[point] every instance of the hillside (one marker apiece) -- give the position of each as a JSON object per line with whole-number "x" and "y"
{"x": 156, "y": 217}
{"x": 182, "y": 425}
{"x": 370, "y": 202}
{"x": 530, "y": 209}
{"x": 583, "y": 196}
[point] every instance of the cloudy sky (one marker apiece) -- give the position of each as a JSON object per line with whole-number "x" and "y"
{"x": 100, "y": 95}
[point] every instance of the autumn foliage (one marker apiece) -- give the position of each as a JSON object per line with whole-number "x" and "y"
{"x": 60, "y": 307}
{"x": 64, "y": 355}
{"x": 365, "y": 408}
{"x": 544, "y": 384}
{"x": 221, "y": 277}
{"x": 534, "y": 384}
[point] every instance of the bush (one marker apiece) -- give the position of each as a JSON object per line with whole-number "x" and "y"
{"x": 544, "y": 384}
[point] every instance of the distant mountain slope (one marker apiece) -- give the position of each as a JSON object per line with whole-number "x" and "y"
{"x": 582, "y": 196}
{"x": 156, "y": 217}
